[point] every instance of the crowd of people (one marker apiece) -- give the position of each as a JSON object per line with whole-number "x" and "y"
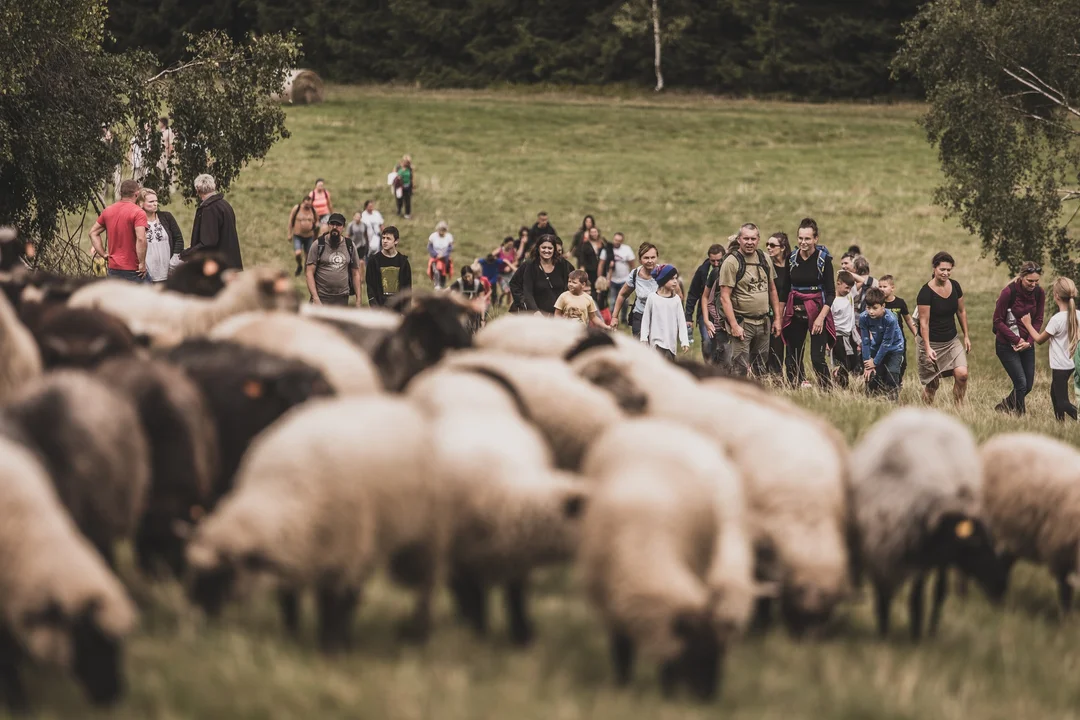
{"x": 756, "y": 310}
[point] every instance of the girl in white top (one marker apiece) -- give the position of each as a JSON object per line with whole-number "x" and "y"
{"x": 663, "y": 323}
{"x": 1063, "y": 332}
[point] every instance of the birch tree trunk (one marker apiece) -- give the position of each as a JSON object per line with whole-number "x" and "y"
{"x": 656, "y": 44}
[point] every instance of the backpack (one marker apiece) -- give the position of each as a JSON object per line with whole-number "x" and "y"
{"x": 741, "y": 271}
{"x": 349, "y": 249}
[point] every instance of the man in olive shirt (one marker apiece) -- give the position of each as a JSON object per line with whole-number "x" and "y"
{"x": 747, "y": 291}
{"x": 330, "y": 263}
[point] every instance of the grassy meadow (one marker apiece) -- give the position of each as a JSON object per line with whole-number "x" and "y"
{"x": 684, "y": 173}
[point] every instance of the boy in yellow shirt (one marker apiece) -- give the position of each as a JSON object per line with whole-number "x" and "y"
{"x": 577, "y": 304}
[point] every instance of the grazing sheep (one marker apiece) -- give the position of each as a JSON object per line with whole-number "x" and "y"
{"x": 441, "y": 390}
{"x": 366, "y": 327}
{"x": 60, "y": 605}
{"x": 917, "y": 500}
{"x": 322, "y": 498}
{"x": 348, "y": 370}
{"x": 201, "y": 275}
{"x": 167, "y": 318}
{"x": 530, "y": 335}
{"x": 246, "y": 390}
{"x": 568, "y": 411}
{"x": 512, "y": 512}
{"x": 1031, "y": 497}
{"x": 665, "y": 552}
{"x": 90, "y": 440}
{"x": 183, "y": 454}
{"x": 82, "y": 338}
{"x": 20, "y": 360}
{"x": 431, "y": 326}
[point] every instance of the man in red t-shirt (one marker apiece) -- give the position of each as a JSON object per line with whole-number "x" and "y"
{"x": 124, "y": 224}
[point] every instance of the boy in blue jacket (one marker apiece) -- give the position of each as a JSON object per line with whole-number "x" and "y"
{"x": 882, "y": 346}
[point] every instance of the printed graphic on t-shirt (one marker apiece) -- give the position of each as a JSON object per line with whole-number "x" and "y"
{"x": 336, "y": 260}
{"x": 389, "y": 279}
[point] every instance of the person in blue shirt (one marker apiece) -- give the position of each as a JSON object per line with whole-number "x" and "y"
{"x": 882, "y": 345}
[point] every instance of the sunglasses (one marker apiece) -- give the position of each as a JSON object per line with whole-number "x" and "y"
{"x": 772, "y": 244}
{"x": 1031, "y": 268}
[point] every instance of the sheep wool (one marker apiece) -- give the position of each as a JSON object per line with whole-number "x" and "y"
{"x": 916, "y": 483}
{"x": 314, "y": 508}
{"x": 347, "y": 368}
{"x": 58, "y": 600}
{"x": 665, "y": 554}
{"x": 565, "y": 408}
{"x": 92, "y": 443}
{"x": 512, "y": 511}
{"x": 168, "y": 317}
{"x": 20, "y": 361}
{"x": 82, "y": 338}
{"x": 443, "y": 390}
{"x": 1031, "y": 495}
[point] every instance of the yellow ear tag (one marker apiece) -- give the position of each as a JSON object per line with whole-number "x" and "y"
{"x": 282, "y": 285}
{"x": 210, "y": 267}
{"x": 964, "y": 529}
{"x": 253, "y": 389}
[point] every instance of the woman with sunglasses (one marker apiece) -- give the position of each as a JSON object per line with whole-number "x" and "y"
{"x": 779, "y": 249}
{"x": 1015, "y": 346}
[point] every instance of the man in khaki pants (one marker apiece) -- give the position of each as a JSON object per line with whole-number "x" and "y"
{"x": 747, "y": 292}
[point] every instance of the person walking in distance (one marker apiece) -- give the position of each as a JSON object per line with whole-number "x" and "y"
{"x": 621, "y": 262}
{"x": 940, "y": 351}
{"x": 695, "y": 305}
{"x": 388, "y": 272}
{"x": 333, "y": 266}
{"x": 163, "y": 237}
{"x": 440, "y": 247}
{"x": 124, "y": 224}
{"x": 322, "y": 202}
{"x": 809, "y": 307}
{"x": 405, "y": 182}
{"x": 1063, "y": 332}
{"x": 779, "y": 249}
{"x": 662, "y": 323}
{"x": 301, "y": 232}
{"x": 747, "y": 292}
{"x": 539, "y": 229}
{"x": 898, "y": 307}
{"x": 1014, "y": 345}
{"x": 215, "y": 225}
{"x": 372, "y": 221}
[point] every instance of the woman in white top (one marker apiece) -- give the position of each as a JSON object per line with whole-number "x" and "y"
{"x": 641, "y": 284}
{"x": 440, "y": 244}
{"x": 1063, "y": 332}
{"x": 163, "y": 237}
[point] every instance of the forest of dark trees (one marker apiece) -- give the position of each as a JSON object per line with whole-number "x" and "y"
{"x": 811, "y": 49}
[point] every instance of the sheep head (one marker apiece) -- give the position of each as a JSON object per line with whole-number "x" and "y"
{"x": 963, "y": 540}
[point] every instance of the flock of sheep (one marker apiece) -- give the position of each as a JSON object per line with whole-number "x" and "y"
{"x": 241, "y": 442}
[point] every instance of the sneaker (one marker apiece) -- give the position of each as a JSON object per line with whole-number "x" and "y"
{"x": 806, "y": 384}
{"x": 408, "y": 217}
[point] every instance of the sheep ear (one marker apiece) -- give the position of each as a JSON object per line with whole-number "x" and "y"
{"x": 574, "y": 504}
{"x": 210, "y": 268}
{"x": 98, "y": 346}
{"x": 254, "y": 388}
{"x": 51, "y": 616}
{"x": 281, "y": 285}
{"x": 57, "y": 345}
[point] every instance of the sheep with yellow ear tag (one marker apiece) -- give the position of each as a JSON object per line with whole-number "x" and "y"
{"x": 916, "y": 494}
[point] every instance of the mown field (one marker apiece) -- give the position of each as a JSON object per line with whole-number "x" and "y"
{"x": 683, "y": 173}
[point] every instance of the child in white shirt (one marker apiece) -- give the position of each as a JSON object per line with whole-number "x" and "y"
{"x": 1063, "y": 332}
{"x": 847, "y": 357}
{"x": 663, "y": 323}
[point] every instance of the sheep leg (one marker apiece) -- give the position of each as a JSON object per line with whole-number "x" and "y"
{"x": 941, "y": 589}
{"x": 882, "y": 605}
{"x": 289, "y": 602}
{"x": 1065, "y": 590}
{"x": 915, "y": 605}
{"x": 669, "y": 677}
{"x": 521, "y": 631}
{"x": 336, "y": 610}
{"x": 763, "y": 616}
{"x": 423, "y": 575}
{"x": 470, "y": 596}
{"x": 11, "y": 684}
{"x": 622, "y": 657}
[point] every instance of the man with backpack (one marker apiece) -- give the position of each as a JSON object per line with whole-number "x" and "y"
{"x": 747, "y": 284}
{"x": 333, "y": 267}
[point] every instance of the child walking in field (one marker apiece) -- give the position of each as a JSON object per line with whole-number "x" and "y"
{"x": 1063, "y": 332}
{"x": 898, "y": 307}
{"x": 663, "y": 325}
{"x": 882, "y": 346}
{"x": 846, "y": 357}
{"x": 576, "y": 303}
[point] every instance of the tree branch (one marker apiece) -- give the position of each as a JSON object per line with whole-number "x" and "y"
{"x": 177, "y": 68}
{"x": 1046, "y": 94}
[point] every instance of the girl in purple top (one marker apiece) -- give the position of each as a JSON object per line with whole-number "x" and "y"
{"x": 1015, "y": 346}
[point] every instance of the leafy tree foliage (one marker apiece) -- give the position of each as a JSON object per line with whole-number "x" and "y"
{"x": 60, "y": 91}
{"x": 804, "y": 48}
{"x": 1003, "y": 82}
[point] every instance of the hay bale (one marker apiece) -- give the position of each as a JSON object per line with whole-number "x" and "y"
{"x": 303, "y": 87}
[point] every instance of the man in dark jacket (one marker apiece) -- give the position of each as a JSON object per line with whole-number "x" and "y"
{"x": 215, "y": 225}
{"x": 694, "y": 306}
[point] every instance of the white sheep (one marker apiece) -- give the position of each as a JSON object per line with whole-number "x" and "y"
{"x": 481, "y": 390}
{"x": 322, "y": 498}
{"x": 797, "y": 497}
{"x": 666, "y": 553}
{"x": 168, "y": 317}
{"x": 59, "y": 603}
{"x": 91, "y": 441}
{"x": 511, "y": 510}
{"x": 366, "y": 327}
{"x": 348, "y": 369}
{"x": 916, "y": 496}
{"x": 567, "y": 410}
{"x": 1031, "y": 496}
{"x": 20, "y": 361}
{"x": 542, "y": 336}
